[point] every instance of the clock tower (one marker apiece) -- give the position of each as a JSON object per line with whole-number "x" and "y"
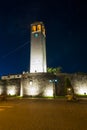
{"x": 38, "y": 48}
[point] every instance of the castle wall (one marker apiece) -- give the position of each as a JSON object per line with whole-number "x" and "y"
{"x": 43, "y": 84}
{"x": 37, "y": 84}
{"x": 78, "y": 82}
{"x": 10, "y": 87}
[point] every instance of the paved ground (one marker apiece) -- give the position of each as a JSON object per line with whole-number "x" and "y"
{"x": 42, "y": 114}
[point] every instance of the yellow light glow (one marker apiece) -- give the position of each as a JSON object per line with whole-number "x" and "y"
{"x": 48, "y": 92}
{"x": 21, "y": 90}
{"x": 33, "y": 28}
{"x": 33, "y": 91}
{"x": 1, "y": 90}
{"x": 30, "y": 82}
{"x": 43, "y": 29}
{"x": 39, "y": 27}
{"x": 82, "y": 91}
{"x": 80, "y": 87}
{"x": 1, "y": 109}
{"x": 69, "y": 89}
{"x": 11, "y": 90}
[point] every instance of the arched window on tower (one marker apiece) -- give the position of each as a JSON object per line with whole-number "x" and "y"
{"x": 33, "y": 28}
{"x": 43, "y": 30}
{"x": 38, "y": 27}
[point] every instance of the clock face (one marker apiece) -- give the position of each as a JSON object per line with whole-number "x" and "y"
{"x": 36, "y": 35}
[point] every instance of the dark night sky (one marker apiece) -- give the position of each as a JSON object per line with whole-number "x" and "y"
{"x": 66, "y": 31}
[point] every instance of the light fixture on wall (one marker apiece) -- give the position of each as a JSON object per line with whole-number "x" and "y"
{"x": 31, "y": 82}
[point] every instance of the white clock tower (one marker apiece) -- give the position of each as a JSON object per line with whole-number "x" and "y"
{"x": 38, "y": 48}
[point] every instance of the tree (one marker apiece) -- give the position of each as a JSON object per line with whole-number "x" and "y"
{"x": 49, "y": 69}
{"x": 68, "y": 87}
{"x": 55, "y": 70}
{"x": 58, "y": 69}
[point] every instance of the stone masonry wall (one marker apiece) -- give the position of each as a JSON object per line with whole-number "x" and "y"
{"x": 43, "y": 84}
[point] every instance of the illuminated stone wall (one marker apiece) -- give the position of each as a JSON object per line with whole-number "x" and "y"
{"x": 43, "y": 84}
{"x": 1, "y": 87}
{"x": 37, "y": 84}
{"x": 10, "y": 87}
{"x": 78, "y": 82}
{"x": 30, "y": 84}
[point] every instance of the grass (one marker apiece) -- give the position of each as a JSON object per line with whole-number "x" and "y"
{"x": 82, "y": 95}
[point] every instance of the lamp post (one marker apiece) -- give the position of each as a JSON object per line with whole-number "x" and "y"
{"x": 54, "y": 86}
